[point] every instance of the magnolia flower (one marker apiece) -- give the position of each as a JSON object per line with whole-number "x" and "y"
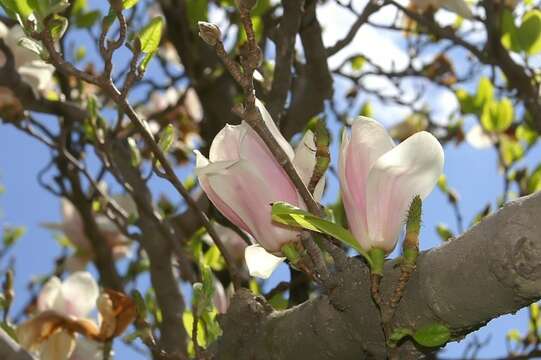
{"x": 379, "y": 180}
{"x": 69, "y": 301}
{"x": 459, "y": 7}
{"x": 72, "y": 226}
{"x": 34, "y": 71}
{"x": 242, "y": 178}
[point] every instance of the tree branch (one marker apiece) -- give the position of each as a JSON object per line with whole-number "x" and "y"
{"x": 491, "y": 270}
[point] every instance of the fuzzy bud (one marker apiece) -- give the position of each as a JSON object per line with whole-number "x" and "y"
{"x": 210, "y": 33}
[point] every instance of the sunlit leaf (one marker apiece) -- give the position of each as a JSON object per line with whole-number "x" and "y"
{"x": 530, "y": 32}
{"x": 288, "y": 214}
{"x": 432, "y": 335}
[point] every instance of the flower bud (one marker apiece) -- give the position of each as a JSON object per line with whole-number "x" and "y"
{"x": 209, "y": 32}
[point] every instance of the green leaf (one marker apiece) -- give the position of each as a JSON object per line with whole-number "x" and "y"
{"x": 58, "y": 27}
{"x": 466, "y": 101}
{"x": 366, "y": 109}
{"x": 444, "y": 232}
{"x": 288, "y": 214}
{"x": 213, "y": 258}
{"x": 432, "y": 335}
{"x": 485, "y": 93}
{"x": 534, "y": 181}
{"x": 150, "y": 36}
{"x": 497, "y": 116}
{"x": 87, "y": 19}
{"x": 12, "y": 234}
{"x": 134, "y": 152}
{"x": 127, "y": 4}
{"x": 510, "y": 35}
{"x": 22, "y": 7}
{"x": 525, "y": 133}
{"x": 398, "y": 334}
{"x": 146, "y": 60}
{"x": 510, "y": 150}
{"x": 530, "y": 32}
{"x": 167, "y": 137}
{"x": 187, "y": 320}
{"x": 357, "y": 62}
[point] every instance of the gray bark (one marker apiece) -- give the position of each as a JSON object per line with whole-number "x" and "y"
{"x": 493, "y": 269}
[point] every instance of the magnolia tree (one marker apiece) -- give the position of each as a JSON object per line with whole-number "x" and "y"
{"x": 258, "y": 116}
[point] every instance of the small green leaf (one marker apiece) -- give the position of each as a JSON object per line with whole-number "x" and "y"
{"x": 510, "y": 35}
{"x": 497, "y": 116}
{"x": 150, "y": 36}
{"x": 12, "y": 234}
{"x": 213, "y": 258}
{"x": 288, "y": 214}
{"x": 134, "y": 152}
{"x": 58, "y": 26}
{"x": 466, "y": 101}
{"x": 530, "y": 32}
{"x": 398, "y": 334}
{"x": 167, "y": 137}
{"x": 87, "y": 19}
{"x": 432, "y": 335}
{"x": 127, "y": 4}
{"x": 146, "y": 60}
{"x": 510, "y": 150}
{"x": 485, "y": 93}
{"x": 366, "y": 109}
{"x": 534, "y": 181}
{"x": 357, "y": 62}
{"x": 525, "y": 133}
{"x": 444, "y": 232}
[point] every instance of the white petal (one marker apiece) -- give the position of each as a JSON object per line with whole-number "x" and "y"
{"x": 260, "y": 263}
{"x": 57, "y": 347}
{"x": 305, "y": 162}
{"x": 274, "y": 129}
{"x": 412, "y": 168}
{"x": 226, "y": 144}
{"x": 49, "y": 294}
{"x": 87, "y": 350}
{"x": 78, "y": 296}
{"x": 480, "y": 139}
{"x": 459, "y": 7}
{"x": 37, "y": 74}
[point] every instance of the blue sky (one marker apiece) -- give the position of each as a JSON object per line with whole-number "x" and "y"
{"x": 473, "y": 173}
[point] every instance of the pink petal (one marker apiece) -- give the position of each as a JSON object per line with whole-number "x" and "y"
{"x": 412, "y": 168}
{"x": 244, "y": 189}
{"x": 201, "y": 164}
{"x": 369, "y": 140}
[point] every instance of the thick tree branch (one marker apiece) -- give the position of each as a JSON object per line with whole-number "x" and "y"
{"x": 285, "y": 51}
{"x": 491, "y": 270}
{"x": 313, "y": 84}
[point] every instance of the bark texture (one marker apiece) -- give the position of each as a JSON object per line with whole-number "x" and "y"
{"x": 492, "y": 269}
